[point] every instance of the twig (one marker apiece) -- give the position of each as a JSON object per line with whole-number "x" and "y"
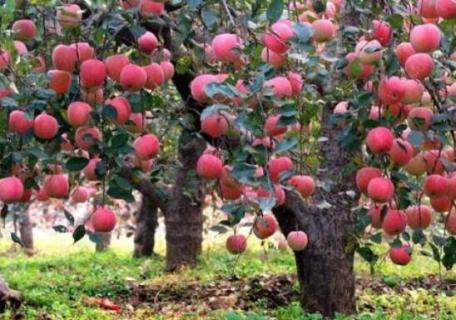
{"x": 227, "y": 10}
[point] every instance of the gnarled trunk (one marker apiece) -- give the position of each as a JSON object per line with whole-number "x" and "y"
{"x": 325, "y": 267}
{"x": 146, "y": 224}
{"x": 183, "y": 218}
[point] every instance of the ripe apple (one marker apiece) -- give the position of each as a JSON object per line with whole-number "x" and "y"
{"x": 209, "y": 166}
{"x": 297, "y": 240}
{"x": 236, "y": 244}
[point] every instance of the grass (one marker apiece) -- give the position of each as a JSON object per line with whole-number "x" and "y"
{"x": 55, "y": 281}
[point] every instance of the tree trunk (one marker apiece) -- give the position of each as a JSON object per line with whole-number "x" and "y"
{"x": 153, "y": 198}
{"x": 26, "y": 230}
{"x": 325, "y": 267}
{"x": 8, "y": 297}
{"x": 104, "y": 241}
{"x": 183, "y": 218}
{"x": 146, "y": 224}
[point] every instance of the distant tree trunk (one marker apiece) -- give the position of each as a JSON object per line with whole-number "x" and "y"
{"x": 183, "y": 218}
{"x": 153, "y": 198}
{"x": 325, "y": 267}
{"x": 146, "y": 224}
{"x": 8, "y": 297}
{"x": 26, "y": 230}
{"x": 104, "y": 242}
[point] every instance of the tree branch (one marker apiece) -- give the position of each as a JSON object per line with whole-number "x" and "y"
{"x": 147, "y": 188}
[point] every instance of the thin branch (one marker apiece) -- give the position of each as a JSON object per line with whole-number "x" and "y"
{"x": 228, "y": 13}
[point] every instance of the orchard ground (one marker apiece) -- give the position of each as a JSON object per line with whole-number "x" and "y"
{"x": 62, "y": 279}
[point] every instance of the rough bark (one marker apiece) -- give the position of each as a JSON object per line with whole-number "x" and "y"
{"x": 8, "y": 297}
{"x": 104, "y": 241}
{"x": 146, "y": 224}
{"x": 183, "y": 219}
{"x": 325, "y": 267}
{"x": 26, "y": 231}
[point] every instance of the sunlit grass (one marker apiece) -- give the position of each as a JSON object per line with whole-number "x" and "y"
{"x": 56, "y": 280}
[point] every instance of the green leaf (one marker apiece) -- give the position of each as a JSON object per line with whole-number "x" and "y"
{"x": 449, "y": 251}
{"x": 37, "y": 153}
{"x": 275, "y": 10}
{"x": 123, "y": 183}
{"x": 236, "y": 212}
{"x": 214, "y": 88}
{"x": 341, "y": 63}
{"x": 304, "y": 33}
{"x": 101, "y": 169}
{"x": 319, "y": 5}
{"x": 60, "y": 228}
{"x": 367, "y": 254}
{"x": 69, "y": 216}
{"x": 288, "y": 110}
{"x": 416, "y": 138}
{"x": 16, "y": 239}
{"x": 364, "y": 99}
{"x": 10, "y": 6}
{"x": 418, "y": 237}
{"x": 79, "y": 233}
{"x": 396, "y": 21}
{"x": 285, "y": 175}
{"x": 405, "y": 236}
{"x": 119, "y": 140}
{"x": 244, "y": 173}
{"x": 286, "y": 145}
{"x": 95, "y": 237}
{"x": 209, "y": 17}
{"x": 7, "y": 11}
{"x": 356, "y": 68}
{"x": 4, "y": 211}
{"x": 109, "y": 112}
{"x": 266, "y": 204}
{"x": 377, "y": 238}
{"x": 8, "y": 102}
{"x": 137, "y": 30}
{"x": 76, "y": 163}
{"x": 435, "y": 252}
{"x": 120, "y": 193}
{"x": 194, "y": 3}
{"x": 219, "y": 228}
{"x": 286, "y": 121}
{"x": 213, "y": 109}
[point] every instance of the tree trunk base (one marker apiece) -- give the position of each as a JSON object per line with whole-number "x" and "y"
{"x": 183, "y": 244}
{"x": 183, "y": 218}
{"x": 325, "y": 267}
{"x": 9, "y": 297}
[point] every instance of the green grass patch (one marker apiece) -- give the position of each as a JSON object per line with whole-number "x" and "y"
{"x": 56, "y": 280}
